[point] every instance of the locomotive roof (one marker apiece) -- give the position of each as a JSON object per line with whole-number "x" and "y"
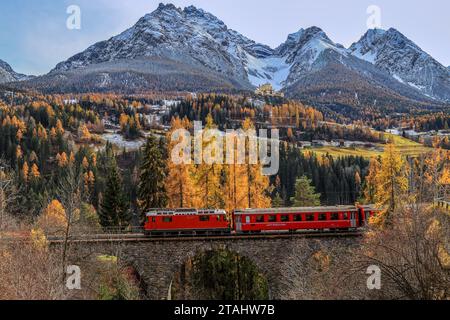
{"x": 297, "y": 210}
{"x": 184, "y": 212}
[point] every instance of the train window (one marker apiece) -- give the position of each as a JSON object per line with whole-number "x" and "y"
{"x": 167, "y": 219}
{"x": 309, "y": 217}
{"x": 260, "y": 219}
{"x": 322, "y": 217}
{"x": 204, "y": 218}
{"x": 298, "y": 217}
{"x": 153, "y": 219}
{"x": 345, "y": 216}
{"x": 272, "y": 218}
{"x": 247, "y": 219}
{"x": 335, "y": 216}
{"x": 218, "y": 218}
{"x": 284, "y": 218}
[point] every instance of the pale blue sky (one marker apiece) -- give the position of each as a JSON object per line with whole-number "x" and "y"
{"x": 34, "y": 37}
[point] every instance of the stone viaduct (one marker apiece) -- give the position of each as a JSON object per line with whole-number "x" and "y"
{"x": 157, "y": 261}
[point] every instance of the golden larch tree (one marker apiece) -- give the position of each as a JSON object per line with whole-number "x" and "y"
{"x": 371, "y": 181}
{"x": 257, "y": 185}
{"x": 35, "y": 171}
{"x": 53, "y": 219}
{"x": 180, "y": 184}
{"x": 207, "y": 176}
{"x": 437, "y": 167}
{"x": 391, "y": 180}
{"x": 25, "y": 171}
{"x": 235, "y": 179}
{"x": 84, "y": 133}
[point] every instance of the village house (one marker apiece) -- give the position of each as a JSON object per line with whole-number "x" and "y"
{"x": 355, "y": 144}
{"x": 320, "y": 143}
{"x": 335, "y": 143}
{"x": 304, "y": 144}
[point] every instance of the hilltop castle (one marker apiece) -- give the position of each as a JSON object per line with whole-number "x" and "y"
{"x": 267, "y": 90}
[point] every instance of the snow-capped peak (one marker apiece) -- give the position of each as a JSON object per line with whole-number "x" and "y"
{"x": 363, "y": 48}
{"x": 291, "y": 59}
{"x": 309, "y": 43}
{"x": 375, "y": 39}
{"x": 5, "y": 66}
{"x": 394, "y": 53}
{"x": 302, "y": 51}
{"x": 190, "y": 36}
{"x": 7, "y": 74}
{"x": 205, "y": 18}
{"x": 166, "y": 8}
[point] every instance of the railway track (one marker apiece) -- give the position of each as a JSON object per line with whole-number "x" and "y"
{"x": 121, "y": 238}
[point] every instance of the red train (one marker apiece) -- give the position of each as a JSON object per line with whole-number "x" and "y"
{"x": 186, "y": 221}
{"x": 194, "y": 221}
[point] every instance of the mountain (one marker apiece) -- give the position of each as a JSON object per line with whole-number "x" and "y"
{"x": 174, "y": 49}
{"x": 395, "y": 54}
{"x": 190, "y": 37}
{"x": 324, "y": 72}
{"x": 304, "y": 49}
{"x": 7, "y": 74}
{"x": 190, "y": 48}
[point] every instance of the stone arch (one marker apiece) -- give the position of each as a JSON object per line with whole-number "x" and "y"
{"x": 180, "y": 268}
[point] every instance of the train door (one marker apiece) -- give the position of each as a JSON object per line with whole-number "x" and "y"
{"x": 238, "y": 223}
{"x": 367, "y": 215}
{"x": 361, "y": 217}
{"x": 353, "y": 219}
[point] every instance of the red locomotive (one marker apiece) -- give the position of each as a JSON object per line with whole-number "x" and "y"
{"x": 193, "y": 221}
{"x": 186, "y": 221}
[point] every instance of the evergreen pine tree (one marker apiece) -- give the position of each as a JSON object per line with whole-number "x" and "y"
{"x": 152, "y": 190}
{"x": 305, "y": 194}
{"x": 278, "y": 201}
{"x": 114, "y": 210}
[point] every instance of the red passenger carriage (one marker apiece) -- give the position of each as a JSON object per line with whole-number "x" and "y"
{"x": 294, "y": 219}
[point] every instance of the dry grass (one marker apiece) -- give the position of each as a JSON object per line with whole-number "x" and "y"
{"x": 405, "y": 146}
{"x": 345, "y": 152}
